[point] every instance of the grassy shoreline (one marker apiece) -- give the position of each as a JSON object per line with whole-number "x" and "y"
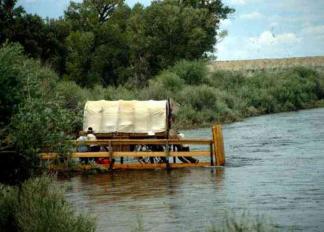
{"x": 203, "y": 98}
{"x": 313, "y": 105}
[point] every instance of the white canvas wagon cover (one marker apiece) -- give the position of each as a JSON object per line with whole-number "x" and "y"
{"x": 126, "y": 116}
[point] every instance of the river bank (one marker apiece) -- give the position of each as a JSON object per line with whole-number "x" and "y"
{"x": 202, "y": 98}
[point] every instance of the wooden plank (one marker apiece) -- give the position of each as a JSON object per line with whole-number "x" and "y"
{"x": 48, "y": 156}
{"x": 160, "y": 153}
{"x": 135, "y": 154}
{"x": 136, "y": 166}
{"x": 146, "y": 142}
{"x": 130, "y": 135}
{"x": 218, "y": 145}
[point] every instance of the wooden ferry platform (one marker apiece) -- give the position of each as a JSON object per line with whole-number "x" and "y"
{"x": 170, "y": 156}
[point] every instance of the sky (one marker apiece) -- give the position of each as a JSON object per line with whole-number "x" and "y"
{"x": 257, "y": 29}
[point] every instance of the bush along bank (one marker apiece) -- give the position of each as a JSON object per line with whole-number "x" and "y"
{"x": 230, "y": 96}
{"x": 39, "y": 205}
{"x": 224, "y": 96}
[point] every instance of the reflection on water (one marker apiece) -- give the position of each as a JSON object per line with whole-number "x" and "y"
{"x": 275, "y": 167}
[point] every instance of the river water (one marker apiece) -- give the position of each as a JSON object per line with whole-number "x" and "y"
{"x": 274, "y": 167}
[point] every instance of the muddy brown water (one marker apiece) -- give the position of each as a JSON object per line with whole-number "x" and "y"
{"x": 274, "y": 167}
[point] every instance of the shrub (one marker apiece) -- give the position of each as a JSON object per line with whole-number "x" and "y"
{"x": 8, "y": 205}
{"x": 72, "y": 96}
{"x": 199, "y": 97}
{"x": 40, "y": 125}
{"x": 155, "y": 91}
{"x": 37, "y": 206}
{"x": 10, "y": 95}
{"x": 186, "y": 117}
{"x": 192, "y": 72}
{"x": 170, "y": 81}
{"x": 120, "y": 93}
{"x": 37, "y": 118}
{"x": 227, "y": 80}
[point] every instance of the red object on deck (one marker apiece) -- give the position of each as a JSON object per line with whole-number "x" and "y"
{"x": 103, "y": 161}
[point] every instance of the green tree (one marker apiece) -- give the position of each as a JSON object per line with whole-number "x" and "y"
{"x": 106, "y": 42}
{"x": 101, "y": 25}
{"x": 8, "y": 13}
{"x": 80, "y": 46}
{"x": 87, "y": 15}
{"x": 18, "y": 26}
{"x": 32, "y": 116}
{"x": 168, "y": 31}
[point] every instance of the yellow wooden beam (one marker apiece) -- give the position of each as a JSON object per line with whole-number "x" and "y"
{"x": 135, "y": 154}
{"x": 218, "y": 145}
{"x": 145, "y": 142}
{"x": 135, "y": 166}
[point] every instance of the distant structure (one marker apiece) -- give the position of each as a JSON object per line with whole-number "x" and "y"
{"x": 316, "y": 62}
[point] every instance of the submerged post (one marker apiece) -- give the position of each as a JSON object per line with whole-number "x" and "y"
{"x": 218, "y": 145}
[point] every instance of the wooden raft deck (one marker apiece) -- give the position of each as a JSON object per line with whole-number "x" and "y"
{"x": 114, "y": 151}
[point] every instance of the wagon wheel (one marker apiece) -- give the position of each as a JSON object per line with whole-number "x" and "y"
{"x": 152, "y": 159}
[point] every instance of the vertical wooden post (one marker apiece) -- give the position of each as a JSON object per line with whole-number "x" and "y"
{"x": 167, "y": 150}
{"x": 174, "y": 158}
{"x": 211, "y": 154}
{"x": 218, "y": 145}
{"x": 112, "y": 161}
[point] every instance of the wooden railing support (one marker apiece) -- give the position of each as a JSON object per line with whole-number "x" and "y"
{"x": 167, "y": 155}
{"x": 112, "y": 160}
{"x": 211, "y": 154}
{"x": 218, "y": 145}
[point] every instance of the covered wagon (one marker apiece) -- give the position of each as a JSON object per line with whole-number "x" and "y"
{"x": 141, "y": 132}
{"x": 131, "y": 119}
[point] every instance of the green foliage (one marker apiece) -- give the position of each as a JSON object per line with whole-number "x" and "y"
{"x": 229, "y": 96}
{"x": 192, "y": 72}
{"x": 170, "y": 81}
{"x": 39, "y": 205}
{"x": 89, "y": 14}
{"x": 35, "y": 117}
{"x": 200, "y": 97}
{"x": 21, "y": 79}
{"x": 155, "y": 91}
{"x": 8, "y": 204}
{"x": 106, "y": 42}
{"x": 188, "y": 117}
{"x": 243, "y": 223}
{"x": 232, "y": 222}
{"x": 40, "y": 38}
{"x": 120, "y": 93}
{"x": 78, "y": 64}
{"x": 40, "y": 126}
{"x": 72, "y": 96}
{"x": 10, "y": 95}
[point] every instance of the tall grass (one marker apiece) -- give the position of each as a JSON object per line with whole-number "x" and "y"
{"x": 231, "y": 222}
{"x": 37, "y": 206}
{"x": 243, "y": 222}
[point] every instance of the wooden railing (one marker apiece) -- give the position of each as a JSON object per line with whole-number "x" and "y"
{"x": 215, "y": 151}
